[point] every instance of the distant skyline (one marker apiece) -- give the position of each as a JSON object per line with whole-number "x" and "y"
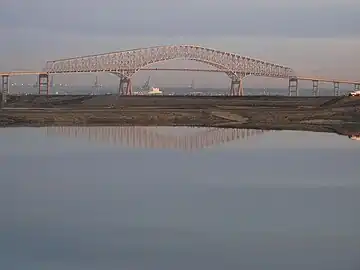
{"x": 321, "y": 38}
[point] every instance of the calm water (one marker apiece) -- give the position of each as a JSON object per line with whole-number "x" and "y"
{"x": 154, "y": 198}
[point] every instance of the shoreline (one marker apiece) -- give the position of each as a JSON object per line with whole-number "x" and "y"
{"x": 339, "y": 115}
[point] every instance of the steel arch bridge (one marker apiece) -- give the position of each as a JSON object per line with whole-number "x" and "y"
{"x": 126, "y": 63}
{"x": 150, "y": 138}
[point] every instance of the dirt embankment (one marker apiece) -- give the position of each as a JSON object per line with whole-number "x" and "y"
{"x": 328, "y": 114}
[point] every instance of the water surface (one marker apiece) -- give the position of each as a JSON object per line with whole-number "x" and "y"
{"x": 174, "y": 198}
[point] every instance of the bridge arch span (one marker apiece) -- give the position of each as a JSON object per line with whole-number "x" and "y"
{"x": 130, "y": 73}
{"x": 131, "y": 60}
{"x": 127, "y": 63}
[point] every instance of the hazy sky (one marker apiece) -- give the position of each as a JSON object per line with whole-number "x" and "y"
{"x": 314, "y": 37}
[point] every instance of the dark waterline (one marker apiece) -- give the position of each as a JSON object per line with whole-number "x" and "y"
{"x": 270, "y": 200}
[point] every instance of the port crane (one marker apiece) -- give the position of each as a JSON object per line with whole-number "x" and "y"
{"x": 146, "y": 86}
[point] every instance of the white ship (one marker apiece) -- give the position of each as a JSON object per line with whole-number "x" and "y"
{"x": 354, "y": 94}
{"x": 355, "y": 138}
{"x": 155, "y": 91}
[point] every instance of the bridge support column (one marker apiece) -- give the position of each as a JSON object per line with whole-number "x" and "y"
{"x": 336, "y": 89}
{"x": 356, "y": 87}
{"x": 125, "y": 87}
{"x": 43, "y": 84}
{"x": 293, "y": 86}
{"x": 315, "y": 89}
{"x": 4, "y": 89}
{"x": 236, "y": 88}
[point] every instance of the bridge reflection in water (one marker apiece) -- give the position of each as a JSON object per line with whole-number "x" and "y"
{"x": 155, "y": 137}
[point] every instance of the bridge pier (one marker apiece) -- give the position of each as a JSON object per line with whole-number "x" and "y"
{"x": 43, "y": 84}
{"x": 356, "y": 87}
{"x": 315, "y": 89}
{"x": 293, "y": 86}
{"x": 236, "y": 88}
{"x": 125, "y": 87}
{"x": 4, "y": 89}
{"x": 336, "y": 89}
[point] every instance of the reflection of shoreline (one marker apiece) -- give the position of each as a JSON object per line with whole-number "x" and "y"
{"x": 152, "y": 137}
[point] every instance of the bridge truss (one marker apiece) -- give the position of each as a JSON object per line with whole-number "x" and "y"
{"x": 126, "y": 63}
{"x": 150, "y": 138}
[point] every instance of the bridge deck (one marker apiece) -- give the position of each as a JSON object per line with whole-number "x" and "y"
{"x": 300, "y": 78}
{"x": 19, "y": 73}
